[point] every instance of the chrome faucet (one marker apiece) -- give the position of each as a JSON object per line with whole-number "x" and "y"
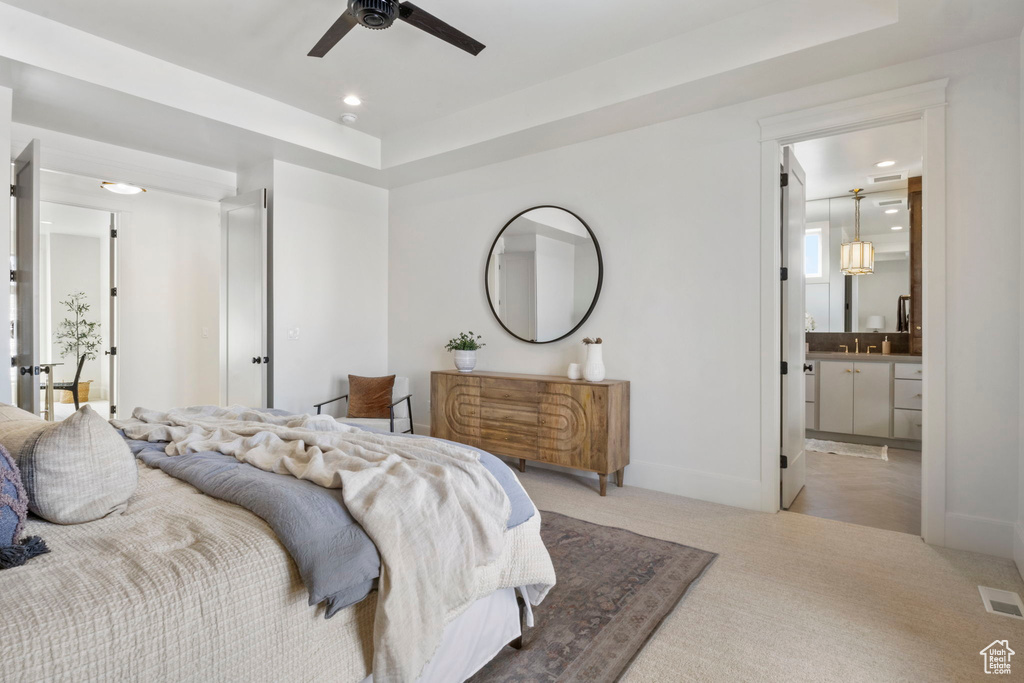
{"x": 845, "y": 348}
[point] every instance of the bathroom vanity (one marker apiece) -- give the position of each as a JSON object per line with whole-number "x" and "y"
{"x": 866, "y": 395}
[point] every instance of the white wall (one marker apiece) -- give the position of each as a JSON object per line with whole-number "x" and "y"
{"x": 330, "y": 284}
{"x": 1018, "y": 537}
{"x": 667, "y": 202}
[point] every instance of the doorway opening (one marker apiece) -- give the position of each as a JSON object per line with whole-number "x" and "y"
{"x": 77, "y": 311}
{"x": 852, "y": 241}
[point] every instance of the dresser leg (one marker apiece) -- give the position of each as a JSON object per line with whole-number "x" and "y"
{"x": 620, "y": 477}
{"x": 522, "y": 464}
{"x": 604, "y": 484}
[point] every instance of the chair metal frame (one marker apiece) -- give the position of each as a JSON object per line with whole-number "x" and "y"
{"x": 407, "y": 399}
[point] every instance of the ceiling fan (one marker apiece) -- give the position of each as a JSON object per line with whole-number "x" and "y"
{"x": 380, "y": 14}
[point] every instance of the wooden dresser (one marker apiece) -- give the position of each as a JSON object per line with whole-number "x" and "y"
{"x": 572, "y": 423}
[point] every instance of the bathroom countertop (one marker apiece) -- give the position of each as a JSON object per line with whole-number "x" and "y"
{"x": 862, "y": 357}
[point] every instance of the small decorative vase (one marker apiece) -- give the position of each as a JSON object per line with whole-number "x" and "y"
{"x": 574, "y": 371}
{"x": 593, "y": 371}
{"x": 465, "y": 361}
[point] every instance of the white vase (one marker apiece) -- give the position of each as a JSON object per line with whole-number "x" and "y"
{"x": 593, "y": 371}
{"x": 574, "y": 371}
{"x": 465, "y": 361}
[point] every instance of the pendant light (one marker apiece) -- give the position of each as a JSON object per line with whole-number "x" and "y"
{"x": 857, "y": 258}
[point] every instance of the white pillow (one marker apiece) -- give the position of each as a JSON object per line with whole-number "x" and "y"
{"x": 74, "y": 471}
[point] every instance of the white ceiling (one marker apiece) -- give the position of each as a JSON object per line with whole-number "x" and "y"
{"x": 837, "y": 164}
{"x": 404, "y": 76}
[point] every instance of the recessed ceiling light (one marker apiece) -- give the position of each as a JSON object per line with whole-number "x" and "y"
{"x": 122, "y": 188}
{"x": 349, "y": 118}
{"x": 885, "y": 164}
{"x": 896, "y": 227}
{"x": 353, "y": 101}
{"x": 892, "y": 210}
{"x": 46, "y": 222}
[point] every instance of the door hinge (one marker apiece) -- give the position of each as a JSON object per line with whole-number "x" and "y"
{"x": 14, "y": 190}
{"x": 113, "y": 233}
{"x": 14, "y": 276}
{"x": 784, "y": 180}
{"x": 785, "y": 462}
{"x": 14, "y": 362}
{"x": 113, "y": 291}
{"x": 113, "y": 411}
{"x": 785, "y": 368}
{"x": 784, "y": 273}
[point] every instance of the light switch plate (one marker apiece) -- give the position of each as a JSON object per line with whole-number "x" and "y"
{"x": 293, "y": 334}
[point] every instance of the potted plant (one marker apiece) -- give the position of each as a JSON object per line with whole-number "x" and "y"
{"x": 465, "y": 347}
{"x": 593, "y": 369}
{"x": 76, "y": 337}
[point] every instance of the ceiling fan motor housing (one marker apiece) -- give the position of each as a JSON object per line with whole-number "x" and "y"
{"x": 375, "y": 14}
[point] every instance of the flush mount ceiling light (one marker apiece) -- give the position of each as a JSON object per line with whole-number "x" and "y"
{"x": 885, "y": 164}
{"x": 856, "y": 257}
{"x": 892, "y": 210}
{"x": 122, "y": 188}
{"x": 896, "y": 227}
{"x": 352, "y": 101}
{"x": 349, "y": 118}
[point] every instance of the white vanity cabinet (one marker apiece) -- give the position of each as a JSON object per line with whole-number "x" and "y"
{"x": 849, "y": 394}
{"x": 854, "y": 398}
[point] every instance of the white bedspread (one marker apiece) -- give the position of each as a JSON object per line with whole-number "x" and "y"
{"x": 184, "y": 587}
{"x": 436, "y": 514}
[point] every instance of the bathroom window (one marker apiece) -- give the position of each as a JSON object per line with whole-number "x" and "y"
{"x": 813, "y": 250}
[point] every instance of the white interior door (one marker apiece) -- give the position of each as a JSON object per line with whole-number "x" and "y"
{"x": 26, "y": 192}
{"x": 794, "y": 200}
{"x": 112, "y": 325}
{"x": 245, "y": 349}
{"x": 519, "y": 293}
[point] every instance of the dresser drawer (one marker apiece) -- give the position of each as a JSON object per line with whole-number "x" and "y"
{"x": 907, "y": 394}
{"x": 909, "y": 370}
{"x": 906, "y": 424}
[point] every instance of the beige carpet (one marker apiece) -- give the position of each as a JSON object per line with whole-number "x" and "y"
{"x": 798, "y": 598}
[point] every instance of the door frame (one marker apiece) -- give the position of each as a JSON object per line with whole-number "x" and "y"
{"x": 925, "y": 102}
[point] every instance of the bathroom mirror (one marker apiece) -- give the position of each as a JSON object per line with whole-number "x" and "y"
{"x": 544, "y": 274}
{"x": 858, "y": 303}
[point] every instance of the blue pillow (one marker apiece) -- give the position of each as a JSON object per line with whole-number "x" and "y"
{"x": 13, "y": 508}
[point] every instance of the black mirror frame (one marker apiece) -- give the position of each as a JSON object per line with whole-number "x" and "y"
{"x": 600, "y": 273}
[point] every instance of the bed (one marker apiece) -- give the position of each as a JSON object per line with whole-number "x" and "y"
{"x": 184, "y": 586}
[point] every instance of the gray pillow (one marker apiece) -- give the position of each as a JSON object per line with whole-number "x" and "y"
{"x": 74, "y": 471}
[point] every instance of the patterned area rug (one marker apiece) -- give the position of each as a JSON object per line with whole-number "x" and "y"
{"x": 614, "y": 588}
{"x": 841, "y": 448}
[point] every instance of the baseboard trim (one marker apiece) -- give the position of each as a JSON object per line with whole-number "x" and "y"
{"x": 1018, "y": 547}
{"x": 980, "y": 534}
{"x": 707, "y": 486}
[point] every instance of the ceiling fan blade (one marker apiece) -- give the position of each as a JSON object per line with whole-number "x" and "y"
{"x": 425, "y": 21}
{"x": 345, "y": 23}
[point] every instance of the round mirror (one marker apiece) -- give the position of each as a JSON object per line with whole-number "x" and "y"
{"x": 544, "y": 274}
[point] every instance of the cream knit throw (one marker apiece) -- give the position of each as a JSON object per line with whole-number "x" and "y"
{"x": 436, "y": 514}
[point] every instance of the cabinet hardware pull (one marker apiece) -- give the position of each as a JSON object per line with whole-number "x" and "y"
{"x": 849, "y": 370}
{"x": 918, "y": 396}
{"x": 508, "y": 395}
{"x": 858, "y": 371}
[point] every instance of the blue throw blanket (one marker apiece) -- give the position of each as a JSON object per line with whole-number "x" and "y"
{"x": 337, "y": 561}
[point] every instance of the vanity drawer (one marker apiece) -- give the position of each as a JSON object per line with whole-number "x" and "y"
{"x": 907, "y": 394}
{"x": 909, "y": 370}
{"x": 906, "y": 424}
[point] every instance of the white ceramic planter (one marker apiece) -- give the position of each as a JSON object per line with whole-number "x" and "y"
{"x": 593, "y": 371}
{"x": 465, "y": 361}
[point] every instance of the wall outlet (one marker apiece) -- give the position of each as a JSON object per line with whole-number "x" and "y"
{"x": 293, "y": 334}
